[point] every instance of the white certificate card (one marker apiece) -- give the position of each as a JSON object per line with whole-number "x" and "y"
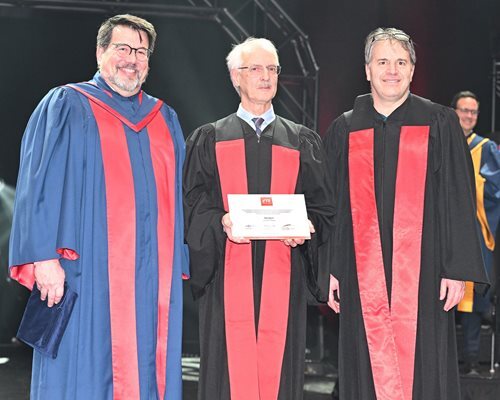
{"x": 269, "y": 216}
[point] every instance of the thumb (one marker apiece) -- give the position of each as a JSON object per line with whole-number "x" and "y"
{"x": 442, "y": 290}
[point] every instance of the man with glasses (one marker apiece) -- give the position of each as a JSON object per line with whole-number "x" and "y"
{"x": 253, "y": 293}
{"x": 486, "y": 161}
{"x": 99, "y": 211}
{"x": 405, "y": 238}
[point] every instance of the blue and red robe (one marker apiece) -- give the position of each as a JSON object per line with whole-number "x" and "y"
{"x": 99, "y": 187}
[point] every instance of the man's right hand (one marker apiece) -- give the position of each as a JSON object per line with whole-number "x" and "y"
{"x": 49, "y": 278}
{"x": 334, "y": 290}
{"x": 227, "y": 227}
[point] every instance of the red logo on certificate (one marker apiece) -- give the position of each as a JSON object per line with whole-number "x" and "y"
{"x": 266, "y": 201}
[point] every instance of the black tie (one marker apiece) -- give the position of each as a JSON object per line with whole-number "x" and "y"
{"x": 258, "y": 123}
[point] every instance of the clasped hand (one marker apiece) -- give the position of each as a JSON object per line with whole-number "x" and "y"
{"x": 227, "y": 227}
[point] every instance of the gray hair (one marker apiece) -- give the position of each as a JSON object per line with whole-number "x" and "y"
{"x": 389, "y": 34}
{"x": 130, "y": 21}
{"x": 235, "y": 57}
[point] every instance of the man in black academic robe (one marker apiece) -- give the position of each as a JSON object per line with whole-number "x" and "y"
{"x": 253, "y": 294}
{"x": 405, "y": 236}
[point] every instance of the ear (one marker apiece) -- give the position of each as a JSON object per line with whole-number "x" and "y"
{"x": 367, "y": 72}
{"x": 235, "y": 77}
{"x": 412, "y": 71}
{"x": 98, "y": 54}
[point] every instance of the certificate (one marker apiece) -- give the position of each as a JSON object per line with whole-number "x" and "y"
{"x": 269, "y": 216}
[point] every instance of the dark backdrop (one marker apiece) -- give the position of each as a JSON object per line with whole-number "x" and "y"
{"x": 455, "y": 41}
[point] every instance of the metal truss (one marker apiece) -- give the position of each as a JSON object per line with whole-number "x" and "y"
{"x": 495, "y": 91}
{"x": 299, "y": 88}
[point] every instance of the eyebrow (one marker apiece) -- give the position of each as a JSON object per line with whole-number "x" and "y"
{"x": 398, "y": 59}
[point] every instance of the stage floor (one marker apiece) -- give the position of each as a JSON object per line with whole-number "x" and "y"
{"x": 15, "y": 370}
{"x": 15, "y": 373}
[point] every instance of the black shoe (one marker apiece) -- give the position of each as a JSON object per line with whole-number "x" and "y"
{"x": 471, "y": 369}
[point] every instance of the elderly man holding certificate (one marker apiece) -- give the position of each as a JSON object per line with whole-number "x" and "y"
{"x": 253, "y": 292}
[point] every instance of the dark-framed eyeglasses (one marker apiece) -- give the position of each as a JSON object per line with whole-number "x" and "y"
{"x": 124, "y": 50}
{"x": 467, "y": 111}
{"x": 258, "y": 70}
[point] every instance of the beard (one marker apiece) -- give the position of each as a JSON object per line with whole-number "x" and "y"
{"x": 126, "y": 84}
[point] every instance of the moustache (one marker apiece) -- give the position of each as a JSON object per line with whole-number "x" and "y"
{"x": 127, "y": 65}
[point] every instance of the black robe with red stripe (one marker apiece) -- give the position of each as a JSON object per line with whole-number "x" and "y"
{"x": 204, "y": 209}
{"x": 449, "y": 249}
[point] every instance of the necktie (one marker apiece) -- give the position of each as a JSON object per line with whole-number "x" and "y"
{"x": 258, "y": 123}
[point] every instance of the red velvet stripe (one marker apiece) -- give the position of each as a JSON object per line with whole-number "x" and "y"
{"x": 370, "y": 268}
{"x": 255, "y": 363}
{"x": 407, "y": 243}
{"x": 163, "y": 156}
{"x": 238, "y": 282}
{"x": 120, "y": 205}
{"x": 275, "y": 297}
{"x": 135, "y": 127}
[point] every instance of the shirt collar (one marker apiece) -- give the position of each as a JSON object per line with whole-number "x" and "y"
{"x": 269, "y": 116}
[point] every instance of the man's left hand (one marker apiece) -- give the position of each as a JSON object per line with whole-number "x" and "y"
{"x": 296, "y": 242}
{"x": 453, "y": 291}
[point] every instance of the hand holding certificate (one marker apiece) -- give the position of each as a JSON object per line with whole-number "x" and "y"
{"x": 269, "y": 217}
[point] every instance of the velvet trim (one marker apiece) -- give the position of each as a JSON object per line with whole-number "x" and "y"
{"x": 391, "y": 333}
{"x": 255, "y": 362}
{"x": 120, "y": 208}
{"x": 163, "y": 157}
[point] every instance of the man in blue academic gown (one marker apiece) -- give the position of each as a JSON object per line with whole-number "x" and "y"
{"x": 486, "y": 161}
{"x": 98, "y": 205}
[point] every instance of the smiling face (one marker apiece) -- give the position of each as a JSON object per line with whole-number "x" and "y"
{"x": 257, "y": 90}
{"x": 467, "y": 110}
{"x": 124, "y": 74}
{"x": 390, "y": 72}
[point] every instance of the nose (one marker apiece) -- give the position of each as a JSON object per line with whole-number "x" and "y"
{"x": 392, "y": 68}
{"x": 132, "y": 56}
{"x": 266, "y": 75}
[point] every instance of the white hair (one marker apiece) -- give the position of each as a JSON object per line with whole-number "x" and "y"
{"x": 235, "y": 57}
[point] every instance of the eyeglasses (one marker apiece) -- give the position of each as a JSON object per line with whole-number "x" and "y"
{"x": 467, "y": 111}
{"x": 257, "y": 70}
{"x": 400, "y": 36}
{"x": 124, "y": 50}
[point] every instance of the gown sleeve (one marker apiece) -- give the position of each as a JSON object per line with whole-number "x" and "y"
{"x": 458, "y": 229}
{"x": 203, "y": 209}
{"x": 182, "y": 254}
{"x": 490, "y": 171}
{"x": 333, "y": 141}
{"x": 49, "y": 186}
{"x": 317, "y": 189}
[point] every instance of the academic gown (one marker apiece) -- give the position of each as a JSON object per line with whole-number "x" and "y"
{"x": 61, "y": 211}
{"x": 489, "y": 195}
{"x": 449, "y": 249}
{"x": 206, "y": 239}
